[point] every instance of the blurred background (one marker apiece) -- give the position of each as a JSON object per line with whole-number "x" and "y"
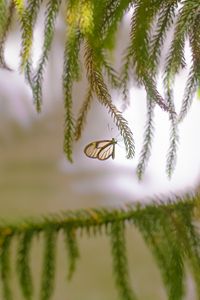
{"x": 36, "y": 179}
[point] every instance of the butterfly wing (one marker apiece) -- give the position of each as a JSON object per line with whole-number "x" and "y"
{"x": 101, "y": 150}
{"x": 107, "y": 151}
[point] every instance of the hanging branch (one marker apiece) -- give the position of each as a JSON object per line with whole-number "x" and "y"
{"x": 163, "y": 240}
{"x": 165, "y": 20}
{"x": 148, "y": 135}
{"x": 113, "y": 13}
{"x": 6, "y": 20}
{"x": 72, "y": 250}
{"x": 138, "y": 50}
{"x": 51, "y": 14}
{"x": 194, "y": 75}
{"x": 27, "y": 20}
{"x": 23, "y": 267}
{"x": 175, "y": 60}
{"x": 80, "y": 123}
{"x": 120, "y": 264}
{"x": 112, "y": 75}
{"x": 70, "y": 72}
{"x": 99, "y": 87}
{"x": 48, "y": 275}
{"x": 5, "y": 263}
{"x": 174, "y": 138}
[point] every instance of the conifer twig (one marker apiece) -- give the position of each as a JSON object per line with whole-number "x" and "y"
{"x": 97, "y": 83}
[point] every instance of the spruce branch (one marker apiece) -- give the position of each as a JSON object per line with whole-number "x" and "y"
{"x": 96, "y": 217}
{"x": 70, "y": 73}
{"x": 5, "y": 240}
{"x": 6, "y": 19}
{"x": 49, "y": 264}
{"x": 175, "y": 59}
{"x": 51, "y": 14}
{"x": 189, "y": 234}
{"x": 165, "y": 20}
{"x": 127, "y": 58}
{"x": 153, "y": 93}
{"x": 190, "y": 89}
{"x": 72, "y": 250}
{"x": 3, "y": 16}
{"x": 113, "y": 13}
{"x": 99, "y": 87}
{"x": 120, "y": 265}
{"x": 194, "y": 74}
{"x": 19, "y": 6}
{"x": 138, "y": 50}
{"x": 80, "y": 123}
{"x": 112, "y": 75}
{"x": 148, "y": 135}
{"x": 174, "y": 138}
{"x": 27, "y": 20}
{"x": 161, "y": 237}
{"x": 144, "y": 10}
{"x": 23, "y": 264}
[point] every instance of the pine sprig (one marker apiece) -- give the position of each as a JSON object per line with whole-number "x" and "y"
{"x": 70, "y": 73}
{"x": 120, "y": 265}
{"x": 174, "y": 137}
{"x": 153, "y": 93}
{"x": 80, "y": 123}
{"x": 27, "y": 20}
{"x": 23, "y": 267}
{"x": 165, "y": 20}
{"x": 125, "y": 75}
{"x": 194, "y": 74}
{"x": 188, "y": 232}
{"x": 49, "y": 264}
{"x": 51, "y": 14}
{"x": 5, "y": 267}
{"x": 113, "y": 13}
{"x": 175, "y": 60}
{"x": 3, "y": 16}
{"x": 139, "y": 35}
{"x": 72, "y": 250}
{"x": 99, "y": 87}
{"x": 19, "y": 5}
{"x": 5, "y": 27}
{"x": 138, "y": 50}
{"x": 148, "y": 135}
{"x": 190, "y": 89}
{"x": 160, "y": 236}
{"x": 112, "y": 75}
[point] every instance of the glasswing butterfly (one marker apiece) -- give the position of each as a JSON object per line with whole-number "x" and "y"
{"x": 101, "y": 150}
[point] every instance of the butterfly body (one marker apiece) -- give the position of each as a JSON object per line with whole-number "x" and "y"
{"x": 101, "y": 150}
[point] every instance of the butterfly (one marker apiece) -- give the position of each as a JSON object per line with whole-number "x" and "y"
{"x": 101, "y": 150}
